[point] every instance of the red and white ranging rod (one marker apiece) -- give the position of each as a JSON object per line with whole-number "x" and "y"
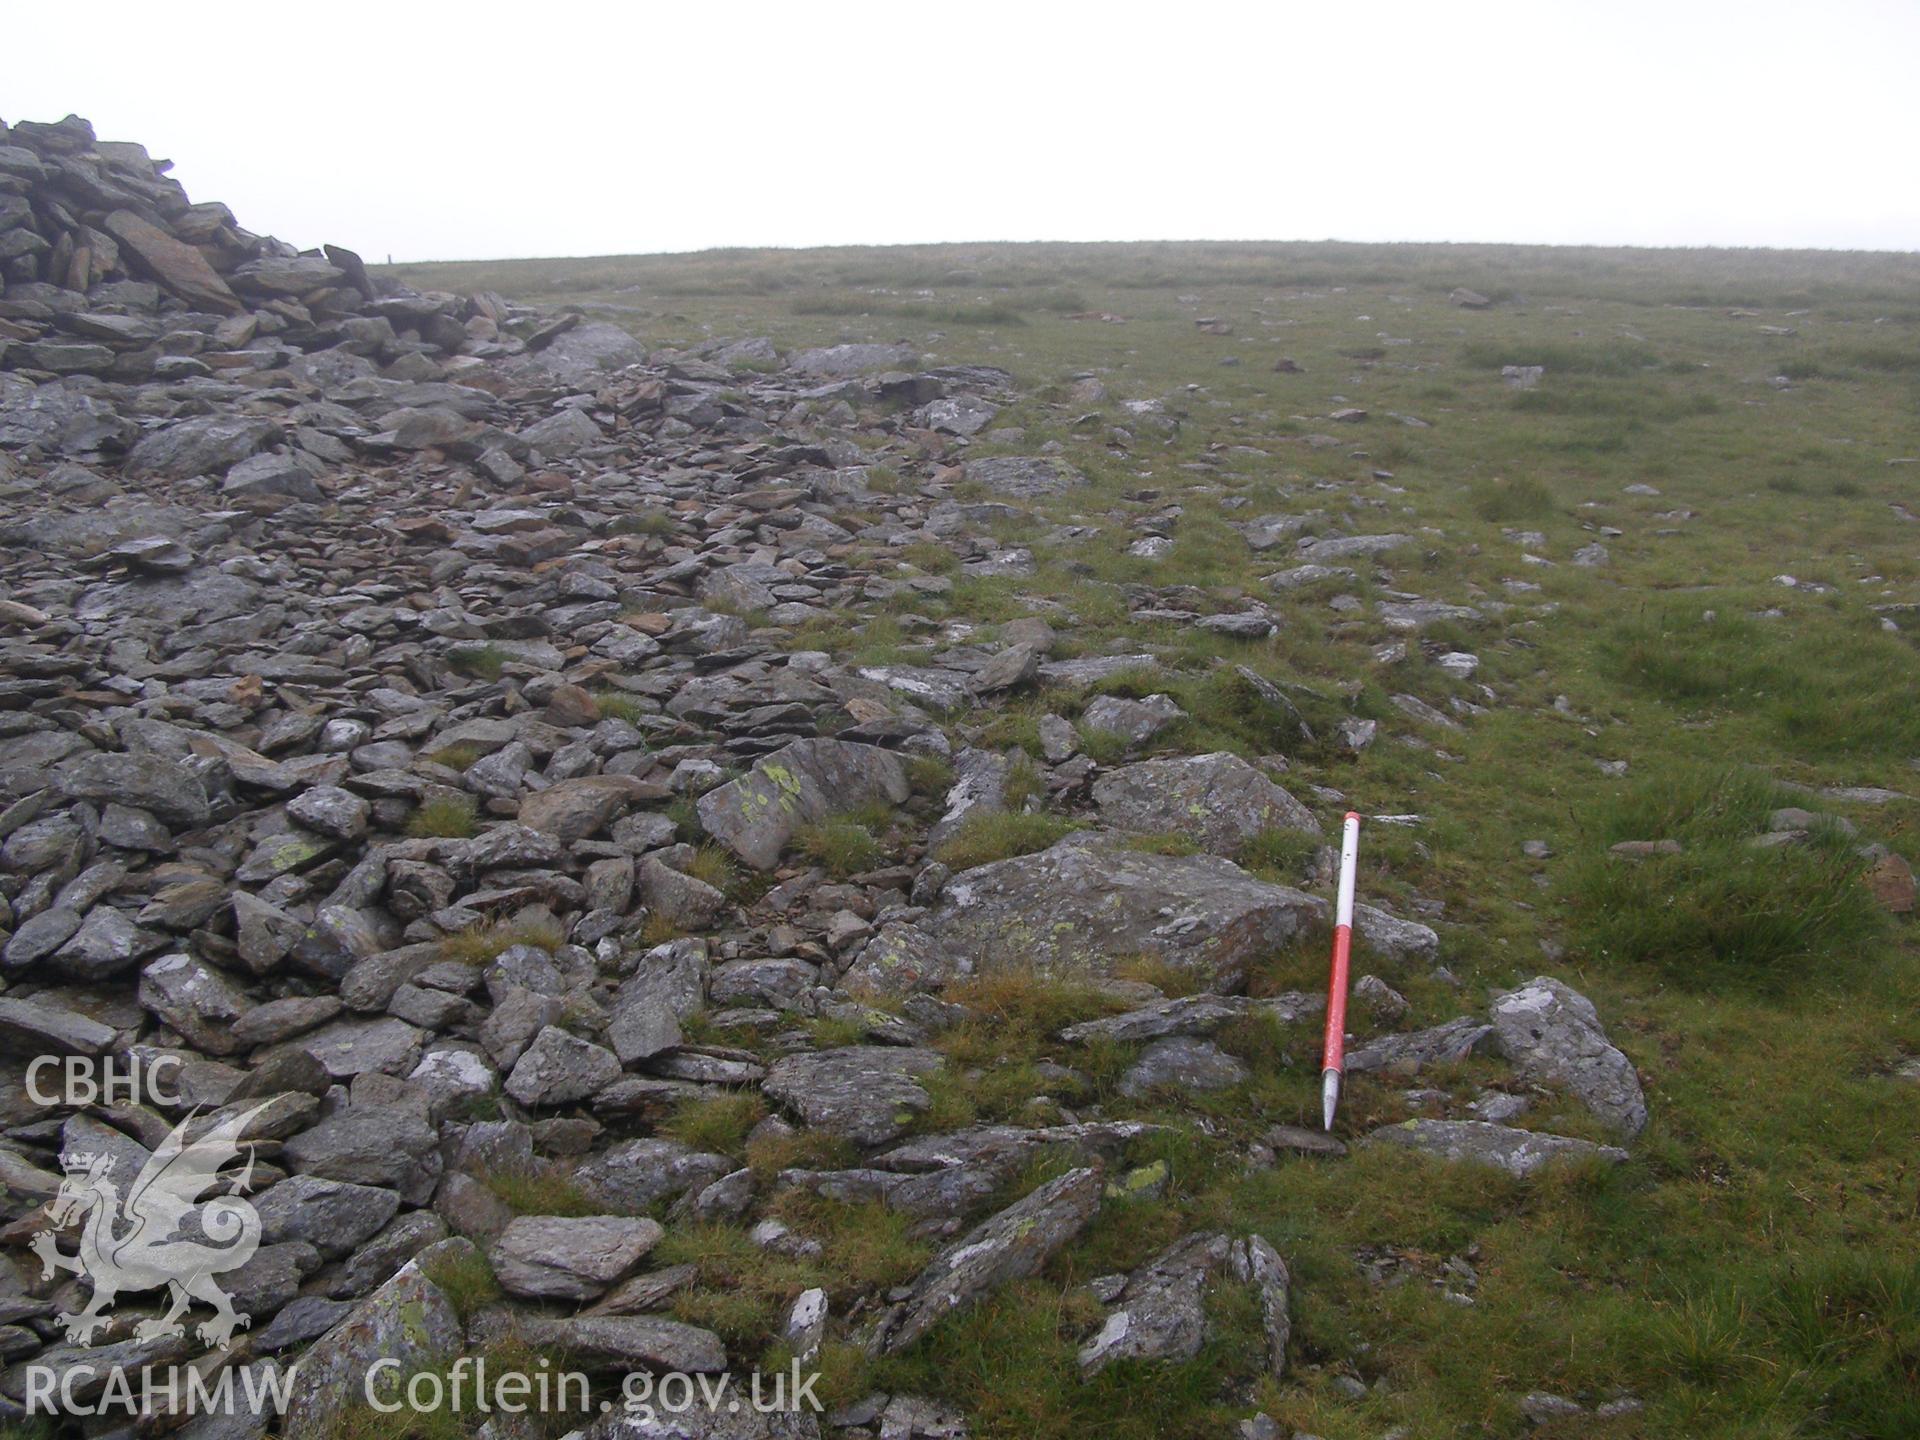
{"x": 1333, "y": 1054}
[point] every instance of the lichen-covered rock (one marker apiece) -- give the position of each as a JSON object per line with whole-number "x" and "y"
{"x": 1085, "y": 904}
{"x": 1010, "y": 1246}
{"x": 1409, "y": 1052}
{"x": 800, "y": 784}
{"x": 408, "y": 1319}
{"x": 867, "y": 1093}
{"x": 1478, "y": 1142}
{"x": 1024, "y": 477}
{"x": 1218, "y": 800}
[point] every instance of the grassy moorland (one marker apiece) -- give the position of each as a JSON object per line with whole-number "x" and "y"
{"x": 1716, "y": 421}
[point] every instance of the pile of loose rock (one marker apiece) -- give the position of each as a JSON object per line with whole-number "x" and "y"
{"x": 374, "y": 666}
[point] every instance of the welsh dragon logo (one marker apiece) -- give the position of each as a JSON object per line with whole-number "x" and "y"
{"x": 160, "y": 1233}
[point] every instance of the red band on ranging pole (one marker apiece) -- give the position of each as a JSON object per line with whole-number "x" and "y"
{"x": 1333, "y": 1053}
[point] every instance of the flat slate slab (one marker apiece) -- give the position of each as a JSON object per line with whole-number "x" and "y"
{"x": 1478, "y": 1142}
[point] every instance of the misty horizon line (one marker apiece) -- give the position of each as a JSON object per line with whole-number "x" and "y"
{"x": 1556, "y": 245}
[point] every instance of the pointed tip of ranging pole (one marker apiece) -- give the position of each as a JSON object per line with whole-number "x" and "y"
{"x": 1329, "y": 1098}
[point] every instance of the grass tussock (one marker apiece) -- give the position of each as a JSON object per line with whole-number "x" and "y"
{"x": 719, "y": 1124}
{"x": 451, "y": 817}
{"x": 467, "y": 1280}
{"x": 843, "y": 844}
{"x": 542, "y": 1191}
{"x": 484, "y": 943}
{"x": 1000, "y": 835}
{"x": 478, "y": 662}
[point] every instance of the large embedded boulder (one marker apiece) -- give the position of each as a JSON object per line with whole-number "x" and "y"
{"x": 799, "y": 784}
{"x": 1218, "y": 800}
{"x": 1088, "y": 903}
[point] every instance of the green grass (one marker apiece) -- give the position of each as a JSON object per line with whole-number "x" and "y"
{"x": 719, "y": 1124}
{"x": 999, "y": 835}
{"x": 615, "y": 706}
{"x": 453, "y": 817}
{"x": 541, "y": 1191}
{"x": 1720, "y": 911}
{"x": 455, "y": 757}
{"x": 1508, "y": 500}
{"x": 713, "y": 866}
{"x": 842, "y": 844}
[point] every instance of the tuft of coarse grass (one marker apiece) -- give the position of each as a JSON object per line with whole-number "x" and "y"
{"x": 650, "y": 521}
{"x": 1280, "y": 854}
{"x": 719, "y": 1124}
{"x": 841, "y": 843}
{"x": 457, "y": 756}
{"x": 999, "y": 835}
{"x": 658, "y": 929}
{"x": 1507, "y": 500}
{"x": 465, "y": 1278}
{"x": 713, "y": 866}
{"x": 1023, "y": 785}
{"x": 1820, "y": 686}
{"x": 615, "y": 706}
{"x": 482, "y": 662}
{"x": 541, "y": 1191}
{"x": 450, "y": 816}
{"x": 483, "y": 943}
{"x": 929, "y": 776}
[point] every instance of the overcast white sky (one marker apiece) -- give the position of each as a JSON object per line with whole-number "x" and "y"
{"x": 440, "y": 131}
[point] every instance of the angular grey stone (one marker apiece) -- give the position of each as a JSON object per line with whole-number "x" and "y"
{"x": 668, "y": 985}
{"x": 553, "y": 1257}
{"x": 1202, "y": 1014}
{"x": 558, "y": 1067}
{"x": 408, "y": 1320}
{"x": 903, "y": 959}
{"x": 1552, "y": 1034}
{"x": 1412, "y": 1051}
{"x": 272, "y": 475}
{"x": 331, "y": 811}
{"x": 209, "y": 445}
{"x": 866, "y": 1093}
{"x": 1024, "y": 477}
{"x": 32, "y": 1024}
{"x": 683, "y": 900}
{"x": 151, "y": 782}
{"x": 1161, "y": 1314}
{"x": 1010, "y": 1246}
{"x": 390, "y": 1146}
{"x": 834, "y": 362}
{"x": 333, "y": 1216}
{"x": 1218, "y": 799}
{"x": 637, "y": 1174}
{"x": 195, "y": 999}
{"x": 1395, "y": 939}
{"x": 611, "y": 1342}
{"x": 1135, "y": 721}
{"x": 1182, "y": 1063}
{"x": 106, "y": 943}
{"x": 354, "y": 1046}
